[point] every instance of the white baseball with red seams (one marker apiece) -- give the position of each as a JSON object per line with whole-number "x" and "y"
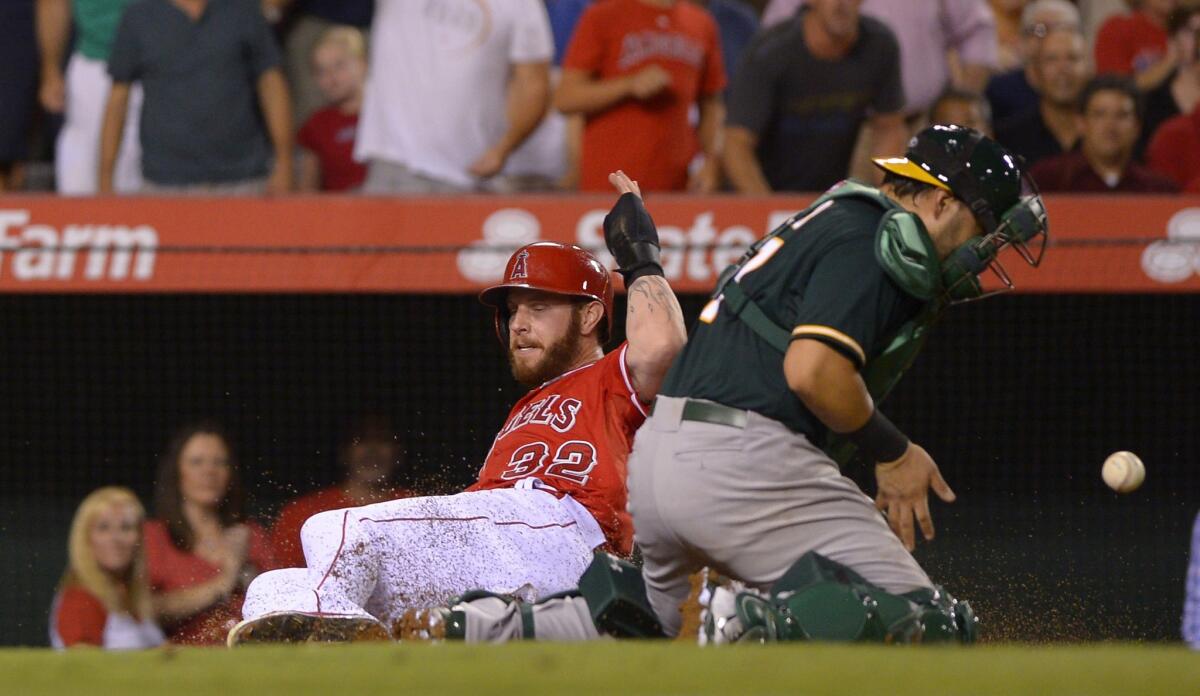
{"x": 551, "y": 490}
{"x": 1123, "y": 471}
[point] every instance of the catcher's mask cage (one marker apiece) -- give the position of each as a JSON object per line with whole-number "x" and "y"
{"x": 1000, "y": 194}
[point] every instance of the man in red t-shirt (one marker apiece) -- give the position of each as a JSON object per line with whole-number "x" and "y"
{"x": 370, "y": 454}
{"x": 634, "y": 69}
{"x": 552, "y": 488}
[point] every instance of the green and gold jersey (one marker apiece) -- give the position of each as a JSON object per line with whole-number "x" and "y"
{"x": 820, "y": 279}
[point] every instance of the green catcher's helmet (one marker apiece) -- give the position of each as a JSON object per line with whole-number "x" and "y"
{"x": 992, "y": 182}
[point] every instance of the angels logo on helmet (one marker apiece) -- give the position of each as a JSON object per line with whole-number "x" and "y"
{"x": 520, "y": 266}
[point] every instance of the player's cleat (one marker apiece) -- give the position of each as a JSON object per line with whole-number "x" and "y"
{"x": 297, "y": 627}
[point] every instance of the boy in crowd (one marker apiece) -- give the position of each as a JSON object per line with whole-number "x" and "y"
{"x": 326, "y": 159}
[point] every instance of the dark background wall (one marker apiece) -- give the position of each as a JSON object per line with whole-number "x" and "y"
{"x": 1019, "y": 398}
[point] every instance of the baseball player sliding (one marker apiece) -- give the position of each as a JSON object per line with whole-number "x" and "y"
{"x": 552, "y": 488}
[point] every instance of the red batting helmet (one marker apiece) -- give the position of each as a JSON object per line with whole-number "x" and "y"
{"x": 564, "y": 269}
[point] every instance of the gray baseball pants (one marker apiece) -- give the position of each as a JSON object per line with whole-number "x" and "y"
{"x": 747, "y": 502}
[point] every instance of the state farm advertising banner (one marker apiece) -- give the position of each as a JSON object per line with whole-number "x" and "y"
{"x": 459, "y": 244}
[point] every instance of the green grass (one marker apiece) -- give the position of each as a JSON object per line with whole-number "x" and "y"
{"x": 612, "y": 669}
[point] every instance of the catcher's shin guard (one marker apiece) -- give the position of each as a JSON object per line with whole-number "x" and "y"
{"x": 616, "y": 595}
{"x": 298, "y": 627}
{"x": 819, "y": 599}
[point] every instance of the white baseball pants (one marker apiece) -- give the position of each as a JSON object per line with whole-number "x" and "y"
{"x": 414, "y": 553}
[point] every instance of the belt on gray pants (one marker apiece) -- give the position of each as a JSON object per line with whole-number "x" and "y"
{"x": 710, "y": 412}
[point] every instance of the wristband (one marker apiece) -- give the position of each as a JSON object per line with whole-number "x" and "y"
{"x": 879, "y": 439}
{"x": 645, "y": 268}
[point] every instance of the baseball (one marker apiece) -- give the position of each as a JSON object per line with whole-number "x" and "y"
{"x": 1123, "y": 472}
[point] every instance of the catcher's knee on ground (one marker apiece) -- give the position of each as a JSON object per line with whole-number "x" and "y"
{"x": 611, "y": 601}
{"x": 819, "y": 599}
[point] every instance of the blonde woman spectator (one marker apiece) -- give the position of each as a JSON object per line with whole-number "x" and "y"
{"x": 104, "y": 598}
{"x": 200, "y": 554}
{"x": 339, "y": 67}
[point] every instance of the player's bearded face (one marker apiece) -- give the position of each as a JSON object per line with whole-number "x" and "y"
{"x": 537, "y": 353}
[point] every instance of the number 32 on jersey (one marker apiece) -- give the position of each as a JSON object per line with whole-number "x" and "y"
{"x": 573, "y": 461}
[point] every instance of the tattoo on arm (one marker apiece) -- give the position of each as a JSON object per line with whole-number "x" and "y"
{"x": 652, "y": 295}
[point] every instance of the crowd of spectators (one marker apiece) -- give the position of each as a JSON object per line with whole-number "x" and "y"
{"x": 445, "y": 96}
{"x": 136, "y": 582}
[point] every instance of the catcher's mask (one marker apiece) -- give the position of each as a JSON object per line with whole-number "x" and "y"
{"x": 991, "y": 182}
{"x": 563, "y": 269}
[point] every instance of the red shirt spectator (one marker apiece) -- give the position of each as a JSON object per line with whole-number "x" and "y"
{"x": 171, "y": 568}
{"x": 669, "y": 58}
{"x": 1071, "y": 173}
{"x": 104, "y": 597}
{"x": 1175, "y": 148}
{"x": 329, "y": 134}
{"x": 1128, "y": 44}
{"x": 78, "y": 617}
{"x": 370, "y": 453}
{"x": 200, "y": 553}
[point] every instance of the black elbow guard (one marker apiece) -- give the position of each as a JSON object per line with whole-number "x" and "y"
{"x": 632, "y": 239}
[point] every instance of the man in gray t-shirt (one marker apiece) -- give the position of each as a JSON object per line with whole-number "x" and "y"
{"x": 216, "y": 108}
{"x": 801, "y": 93}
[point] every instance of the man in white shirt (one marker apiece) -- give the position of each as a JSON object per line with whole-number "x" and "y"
{"x": 454, "y": 88}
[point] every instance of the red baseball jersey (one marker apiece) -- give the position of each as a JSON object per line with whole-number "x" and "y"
{"x": 573, "y": 434}
{"x": 651, "y": 140}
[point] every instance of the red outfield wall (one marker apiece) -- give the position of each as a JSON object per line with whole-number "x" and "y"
{"x": 459, "y": 244}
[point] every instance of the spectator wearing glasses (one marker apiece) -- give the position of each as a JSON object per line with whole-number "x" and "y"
{"x": 1011, "y": 93}
{"x": 1059, "y": 74}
